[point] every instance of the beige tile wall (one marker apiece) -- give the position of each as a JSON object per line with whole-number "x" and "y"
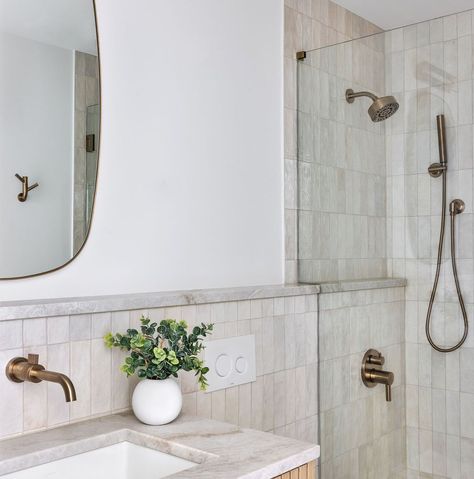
{"x": 282, "y": 400}
{"x": 362, "y": 436}
{"x": 341, "y": 164}
{"x": 309, "y": 24}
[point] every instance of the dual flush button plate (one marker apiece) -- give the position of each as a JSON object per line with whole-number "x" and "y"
{"x": 230, "y": 361}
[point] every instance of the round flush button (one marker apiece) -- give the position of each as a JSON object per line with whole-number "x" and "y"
{"x": 223, "y": 365}
{"x": 241, "y": 365}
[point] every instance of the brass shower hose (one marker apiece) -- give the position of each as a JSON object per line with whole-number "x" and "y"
{"x": 456, "y": 207}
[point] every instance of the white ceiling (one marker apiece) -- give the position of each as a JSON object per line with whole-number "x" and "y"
{"x": 389, "y": 14}
{"x": 63, "y": 23}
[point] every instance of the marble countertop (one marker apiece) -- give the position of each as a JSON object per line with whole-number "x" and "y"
{"x": 221, "y": 451}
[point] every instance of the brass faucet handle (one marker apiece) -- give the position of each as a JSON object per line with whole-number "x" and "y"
{"x": 371, "y": 376}
{"x": 33, "y": 358}
{"x": 388, "y": 392}
{"x": 377, "y": 360}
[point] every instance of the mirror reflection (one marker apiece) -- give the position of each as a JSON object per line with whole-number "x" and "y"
{"x": 49, "y": 132}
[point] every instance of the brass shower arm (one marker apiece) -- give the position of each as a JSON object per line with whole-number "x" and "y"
{"x": 351, "y": 95}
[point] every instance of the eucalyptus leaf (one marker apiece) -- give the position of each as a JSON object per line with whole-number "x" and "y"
{"x": 159, "y": 351}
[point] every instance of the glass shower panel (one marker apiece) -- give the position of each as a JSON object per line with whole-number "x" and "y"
{"x": 367, "y": 207}
{"x": 341, "y": 167}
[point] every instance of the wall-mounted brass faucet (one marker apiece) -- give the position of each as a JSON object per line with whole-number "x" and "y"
{"x": 372, "y": 376}
{"x": 19, "y": 370}
{"x": 23, "y": 196}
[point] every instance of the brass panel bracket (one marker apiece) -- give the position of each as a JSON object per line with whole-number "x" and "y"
{"x": 371, "y": 376}
{"x": 301, "y": 56}
{"x": 90, "y": 143}
{"x": 23, "y": 196}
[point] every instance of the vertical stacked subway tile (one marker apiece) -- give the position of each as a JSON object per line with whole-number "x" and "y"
{"x": 282, "y": 400}
{"x": 309, "y": 24}
{"x": 361, "y": 434}
{"x": 341, "y": 164}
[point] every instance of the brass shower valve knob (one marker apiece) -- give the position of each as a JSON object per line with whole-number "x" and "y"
{"x": 371, "y": 375}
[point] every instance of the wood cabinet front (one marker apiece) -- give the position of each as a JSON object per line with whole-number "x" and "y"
{"x": 306, "y": 471}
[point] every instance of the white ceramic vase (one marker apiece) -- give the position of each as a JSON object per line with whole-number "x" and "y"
{"x": 157, "y": 402}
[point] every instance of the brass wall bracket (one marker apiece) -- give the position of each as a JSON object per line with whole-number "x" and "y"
{"x": 456, "y": 207}
{"x": 90, "y": 143}
{"x": 371, "y": 376}
{"x": 300, "y": 56}
{"x": 23, "y": 196}
{"x": 436, "y": 170}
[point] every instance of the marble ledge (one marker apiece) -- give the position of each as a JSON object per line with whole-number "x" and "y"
{"x": 220, "y": 450}
{"x": 361, "y": 284}
{"x": 10, "y": 310}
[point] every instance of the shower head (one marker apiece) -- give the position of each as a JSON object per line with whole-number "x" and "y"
{"x": 382, "y": 107}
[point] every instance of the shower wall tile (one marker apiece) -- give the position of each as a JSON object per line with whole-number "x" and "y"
{"x": 341, "y": 165}
{"x": 358, "y": 427}
{"x": 311, "y": 24}
{"x": 284, "y": 398}
{"x": 436, "y": 76}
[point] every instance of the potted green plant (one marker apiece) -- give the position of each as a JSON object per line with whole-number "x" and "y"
{"x": 157, "y": 353}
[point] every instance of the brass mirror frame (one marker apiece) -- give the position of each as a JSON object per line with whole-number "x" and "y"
{"x": 67, "y": 263}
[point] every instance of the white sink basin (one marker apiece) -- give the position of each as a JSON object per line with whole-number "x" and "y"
{"x": 120, "y": 461}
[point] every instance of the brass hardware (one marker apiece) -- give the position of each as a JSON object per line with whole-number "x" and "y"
{"x": 300, "y": 56}
{"x": 381, "y": 109}
{"x": 441, "y": 126}
{"x": 351, "y": 95}
{"x": 456, "y": 207}
{"x": 436, "y": 170}
{"x": 20, "y": 370}
{"x": 372, "y": 376}
{"x": 90, "y": 143}
{"x": 23, "y": 196}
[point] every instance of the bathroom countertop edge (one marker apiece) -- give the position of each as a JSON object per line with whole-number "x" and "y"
{"x": 222, "y": 451}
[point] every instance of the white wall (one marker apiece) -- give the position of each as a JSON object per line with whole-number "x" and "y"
{"x": 190, "y": 182}
{"x": 36, "y": 140}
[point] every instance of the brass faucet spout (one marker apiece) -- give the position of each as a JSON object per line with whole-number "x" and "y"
{"x": 20, "y": 370}
{"x": 59, "y": 378}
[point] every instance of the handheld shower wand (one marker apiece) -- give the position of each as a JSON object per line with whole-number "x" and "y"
{"x": 456, "y": 207}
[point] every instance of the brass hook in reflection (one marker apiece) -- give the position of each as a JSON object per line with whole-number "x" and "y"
{"x": 25, "y": 189}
